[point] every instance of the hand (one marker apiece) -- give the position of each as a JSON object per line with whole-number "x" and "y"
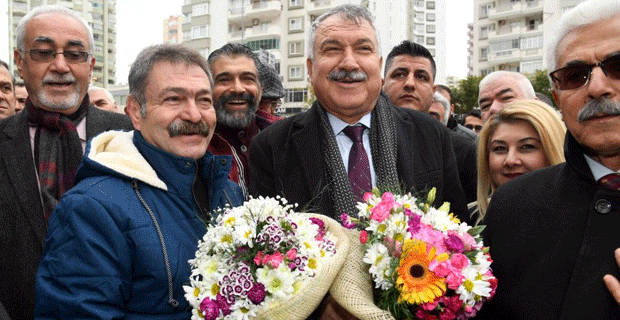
{"x": 611, "y": 282}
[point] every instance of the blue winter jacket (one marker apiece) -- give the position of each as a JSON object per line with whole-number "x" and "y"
{"x": 104, "y": 256}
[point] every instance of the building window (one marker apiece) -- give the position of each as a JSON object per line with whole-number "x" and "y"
{"x": 419, "y": 3}
{"x": 295, "y": 95}
{"x": 267, "y": 44}
{"x": 484, "y": 54}
{"x": 430, "y": 5}
{"x": 418, "y": 28}
{"x": 187, "y": 36}
{"x": 535, "y": 42}
{"x": 430, "y": 28}
{"x": 432, "y": 51}
{"x": 204, "y": 52}
{"x": 199, "y": 32}
{"x": 504, "y": 47}
{"x": 200, "y": 9}
{"x": 295, "y": 72}
{"x": 295, "y": 24}
{"x": 430, "y": 17}
{"x": 419, "y": 39}
{"x": 430, "y": 41}
{"x": 419, "y": 16}
{"x": 531, "y": 66}
{"x": 484, "y": 9}
{"x": 295, "y": 48}
{"x": 295, "y": 3}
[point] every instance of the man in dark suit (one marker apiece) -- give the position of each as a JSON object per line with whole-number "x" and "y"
{"x": 43, "y": 145}
{"x": 409, "y": 83}
{"x": 552, "y": 232}
{"x": 310, "y": 159}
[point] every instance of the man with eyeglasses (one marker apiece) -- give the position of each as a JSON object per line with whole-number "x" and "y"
{"x": 553, "y": 232}
{"x": 43, "y": 145}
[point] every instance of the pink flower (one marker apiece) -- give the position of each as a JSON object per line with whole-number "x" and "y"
{"x": 454, "y": 243}
{"x": 454, "y": 280}
{"x": 441, "y": 269}
{"x": 258, "y": 259}
{"x": 363, "y": 236}
{"x": 222, "y": 304}
{"x": 447, "y": 314}
{"x": 431, "y": 237}
{"x": 257, "y": 293}
{"x": 459, "y": 261}
{"x": 346, "y": 221}
{"x": 383, "y": 209}
{"x": 209, "y": 309}
{"x": 367, "y": 196}
{"x": 414, "y": 222}
{"x": 468, "y": 241}
{"x": 453, "y": 303}
{"x": 292, "y": 254}
{"x": 429, "y": 306}
{"x": 273, "y": 260}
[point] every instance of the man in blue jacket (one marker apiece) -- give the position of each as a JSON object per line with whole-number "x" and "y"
{"x": 119, "y": 242}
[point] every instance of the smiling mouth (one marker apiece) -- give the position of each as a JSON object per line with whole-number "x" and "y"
{"x": 512, "y": 175}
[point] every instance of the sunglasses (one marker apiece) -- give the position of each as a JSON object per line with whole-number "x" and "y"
{"x": 577, "y": 75}
{"x": 47, "y": 55}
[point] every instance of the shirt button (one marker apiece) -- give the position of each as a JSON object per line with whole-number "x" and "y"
{"x": 602, "y": 206}
{"x": 244, "y": 148}
{"x": 223, "y": 161}
{"x": 188, "y": 164}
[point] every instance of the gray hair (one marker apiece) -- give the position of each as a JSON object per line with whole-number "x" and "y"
{"x": 524, "y": 83}
{"x": 20, "y": 31}
{"x": 444, "y": 102}
{"x": 149, "y": 56}
{"x": 347, "y": 12}
{"x": 107, "y": 93}
{"x": 585, "y": 13}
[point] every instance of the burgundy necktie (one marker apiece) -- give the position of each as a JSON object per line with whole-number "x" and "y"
{"x": 610, "y": 181}
{"x": 359, "y": 166}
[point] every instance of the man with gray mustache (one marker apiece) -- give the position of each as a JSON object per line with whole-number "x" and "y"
{"x": 118, "y": 243}
{"x": 553, "y": 233}
{"x": 42, "y": 146}
{"x": 236, "y": 93}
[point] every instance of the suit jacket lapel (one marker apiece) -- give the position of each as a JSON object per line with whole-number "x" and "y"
{"x": 22, "y": 175}
{"x": 306, "y": 140}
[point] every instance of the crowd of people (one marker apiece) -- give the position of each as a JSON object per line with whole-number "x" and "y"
{"x": 100, "y": 211}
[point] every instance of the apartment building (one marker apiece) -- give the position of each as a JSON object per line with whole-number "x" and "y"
{"x": 100, "y": 16}
{"x": 280, "y": 27}
{"x": 173, "y": 33}
{"x": 512, "y": 35}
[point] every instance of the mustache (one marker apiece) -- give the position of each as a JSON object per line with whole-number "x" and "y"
{"x": 187, "y": 127}
{"x": 53, "y": 77}
{"x": 245, "y": 96}
{"x": 598, "y": 107}
{"x": 353, "y": 75}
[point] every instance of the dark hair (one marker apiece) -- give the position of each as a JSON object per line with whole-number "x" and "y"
{"x": 446, "y": 89}
{"x": 4, "y": 64}
{"x": 149, "y": 56}
{"x": 473, "y": 112}
{"x": 233, "y": 50}
{"x": 413, "y": 49}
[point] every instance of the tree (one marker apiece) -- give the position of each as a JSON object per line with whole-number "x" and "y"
{"x": 541, "y": 83}
{"x": 465, "y": 96}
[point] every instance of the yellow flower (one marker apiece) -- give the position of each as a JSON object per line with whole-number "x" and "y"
{"x": 416, "y": 283}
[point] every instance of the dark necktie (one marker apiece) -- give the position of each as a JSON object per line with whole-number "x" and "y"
{"x": 359, "y": 166}
{"x": 610, "y": 181}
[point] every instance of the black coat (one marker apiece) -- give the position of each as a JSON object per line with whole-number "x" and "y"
{"x": 22, "y": 222}
{"x": 465, "y": 153}
{"x": 552, "y": 242}
{"x": 286, "y": 159}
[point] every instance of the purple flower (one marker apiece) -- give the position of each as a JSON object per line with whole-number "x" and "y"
{"x": 346, "y": 221}
{"x": 414, "y": 223}
{"x": 454, "y": 243}
{"x": 209, "y": 309}
{"x": 321, "y": 225}
{"x": 223, "y": 304}
{"x": 257, "y": 293}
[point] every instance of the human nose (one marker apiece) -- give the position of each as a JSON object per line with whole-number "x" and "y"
{"x": 191, "y": 112}
{"x": 59, "y": 64}
{"x": 349, "y": 62}
{"x": 512, "y": 158}
{"x": 410, "y": 81}
{"x": 495, "y": 107}
{"x": 599, "y": 84}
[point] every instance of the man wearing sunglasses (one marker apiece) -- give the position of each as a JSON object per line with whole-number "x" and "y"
{"x": 553, "y": 232}
{"x": 43, "y": 145}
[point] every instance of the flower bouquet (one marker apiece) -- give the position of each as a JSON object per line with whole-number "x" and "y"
{"x": 263, "y": 260}
{"x": 424, "y": 263}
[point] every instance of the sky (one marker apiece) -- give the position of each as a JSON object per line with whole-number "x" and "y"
{"x": 139, "y": 24}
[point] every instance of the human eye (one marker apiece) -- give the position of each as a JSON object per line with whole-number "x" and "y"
{"x": 7, "y": 88}
{"x": 41, "y": 54}
{"x": 398, "y": 74}
{"x": 172, "y": 99}
{"x": 498, "y": 149}
{"x": 75, "y": 55}
{"x": 205, "y": 101}
{"x": 423, "y": 76}
{"x": 485, "y": 106}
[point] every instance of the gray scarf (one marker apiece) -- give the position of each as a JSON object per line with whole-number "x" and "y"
{"x": 383, "y": 147}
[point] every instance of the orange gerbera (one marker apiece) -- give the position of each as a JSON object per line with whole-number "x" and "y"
{"x": 416, "y": 283}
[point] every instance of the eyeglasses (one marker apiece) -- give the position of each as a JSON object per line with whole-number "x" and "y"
{"x": 474, "y": 128}
{"x": 577, "y": 75}
{"x": 46, "y": 55}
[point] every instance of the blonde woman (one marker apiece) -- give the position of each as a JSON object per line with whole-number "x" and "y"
{"x": 524, "y": 136}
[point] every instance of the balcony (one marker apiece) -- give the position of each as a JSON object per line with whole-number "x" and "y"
{"x": 248, "y": 10}
{"x": 514, "y": 55}
{"x": 255, "y": 33}
{"x": 318, "y": 7}
{"x": 507, "y": 10}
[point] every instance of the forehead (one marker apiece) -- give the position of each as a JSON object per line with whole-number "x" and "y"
{"x": 590, "y": 43}
{"x": 97, "y": 93}
{"x": 516, "y": 130}
{"x": 179, "y": 75}
{"x": 502, "y": 85}
{"x": 411, "y": 63}
{"x": 337, "y": 28}
{"x": 58, "y": 27}
{"x": 234, "y": 64}
{"x": 5, "y": 75}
